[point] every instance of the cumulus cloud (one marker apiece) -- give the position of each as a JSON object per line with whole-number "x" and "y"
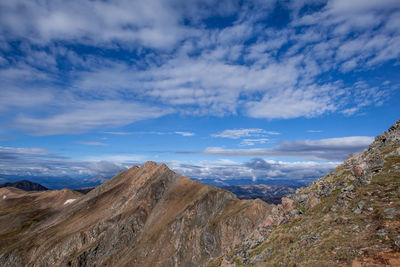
{"x": 331, "y": 149}
{"x": 257, "y": 169}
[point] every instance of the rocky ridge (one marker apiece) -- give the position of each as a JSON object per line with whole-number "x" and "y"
{"x": 351, "y": 216}
{"x": 145, "y": 216}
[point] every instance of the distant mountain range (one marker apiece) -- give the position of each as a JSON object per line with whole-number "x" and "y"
{"x": 58, "y": 182}
{"x": 25, "y": 185}
{"x": 269, "y": 193}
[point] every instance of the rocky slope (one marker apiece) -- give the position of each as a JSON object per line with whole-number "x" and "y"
{"x": 25, "y": 185}
{"x": 21, "y": 210}
{"x": 147, "y": 216}
{"x": 351, "y": 216}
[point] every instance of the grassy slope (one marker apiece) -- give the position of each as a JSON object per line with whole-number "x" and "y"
{"x": 331, "y": 233}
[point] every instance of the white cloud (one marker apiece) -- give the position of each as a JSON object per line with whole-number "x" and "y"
{"x": 92, "y": 143}
{"x": 90, "y": 22}
{"x": 358, "y": 6}
{"x": 153, "y": 132}
{"x": 293, "y": 103}
{"x": 121, "y": 159}
{"x": 240, "y": 133}
{"x": 185, "y": 133}
{"x": 255, "y": 169}
{"x": 252, "y": 142}
{"x": 87, "y": 115}
{"x": 11, "y": 152}
{"x": 38, "y": 162}
{"x": 331, "y": 149}
{"x": 176, "y": 63}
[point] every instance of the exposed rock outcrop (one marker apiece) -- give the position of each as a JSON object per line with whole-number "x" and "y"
{"x": 349, "y": 216}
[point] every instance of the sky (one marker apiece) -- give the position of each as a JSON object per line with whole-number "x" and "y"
{"x": 250, "y": 91}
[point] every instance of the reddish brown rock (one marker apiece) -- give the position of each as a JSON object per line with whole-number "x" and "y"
{"x": 357, "y": 171}
{"x": 287, "y": 205}
{"x": 312, "y": 201}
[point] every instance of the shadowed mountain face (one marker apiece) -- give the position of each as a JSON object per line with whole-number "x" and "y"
{"x": 147, "y": 216}
{"x": 25, "y": 185}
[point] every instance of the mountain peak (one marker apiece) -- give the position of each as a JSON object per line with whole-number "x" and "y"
{"x": 149, "y": 164}
{"x": 144, "y": 216}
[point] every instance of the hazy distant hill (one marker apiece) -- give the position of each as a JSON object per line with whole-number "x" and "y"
{"x": 269, "y": 193}
{"x": 25, "y": 185}
{"x": 58, "y": 182}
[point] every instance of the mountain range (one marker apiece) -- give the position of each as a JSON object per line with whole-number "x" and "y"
{"x": 269, "y": 193}
{"x": 25, "y": 185}
{"x": 151, "y": 216}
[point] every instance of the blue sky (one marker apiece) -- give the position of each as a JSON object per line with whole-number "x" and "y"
{"x": 256, "y": 90}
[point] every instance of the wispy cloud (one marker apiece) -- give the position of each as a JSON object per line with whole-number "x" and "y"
{"x": 118, "y": 133}
{"x": 185, "y": 133}
{"x": 152, "y": 132}
{"x": 252, "y": 142}
{"x": 331, "y": 149}
{"x": 92, "y": 143}
{"x": 10, "y": 153}
{"x": 86, "y": 115}
{"x": 240, "y": 133}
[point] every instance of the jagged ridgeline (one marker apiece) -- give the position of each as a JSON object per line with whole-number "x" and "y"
{"x": 147, "y": 216}
{"x": 151, "y": 216}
